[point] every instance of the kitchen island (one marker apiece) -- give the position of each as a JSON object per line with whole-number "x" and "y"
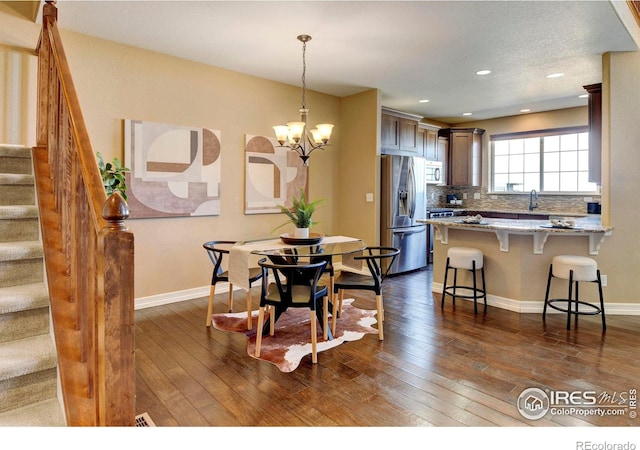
{"x": 517, "y": 254}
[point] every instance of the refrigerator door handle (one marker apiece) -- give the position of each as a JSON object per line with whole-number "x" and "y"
{"x": 411, "y": 189}
{"x": 411, "y": 230}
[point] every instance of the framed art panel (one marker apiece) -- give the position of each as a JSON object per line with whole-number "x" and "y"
{"x": 273, "y": 175}
{"x": 175, "y": 170}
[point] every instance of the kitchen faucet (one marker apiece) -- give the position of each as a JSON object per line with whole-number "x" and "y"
{"x": 533, "y": 194}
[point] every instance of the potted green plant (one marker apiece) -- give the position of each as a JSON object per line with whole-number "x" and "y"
{"x": 113, "y": 176}
{"x": 300, "y": 214}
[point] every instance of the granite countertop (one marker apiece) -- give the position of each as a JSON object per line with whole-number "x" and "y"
{"x": 590, "y": 226}
{"x": 586, "y": 224}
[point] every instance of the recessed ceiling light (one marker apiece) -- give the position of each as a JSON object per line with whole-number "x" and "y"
{"x": 583, "y": 96}
{"x": 466, "y": 114}
{"x": 555, "y": 75}
{"x": 525, "y": 110}
{"x": 483, "y": 72}
{"x": 424, "y": 100}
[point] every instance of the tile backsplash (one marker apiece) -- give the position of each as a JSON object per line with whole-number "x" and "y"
{"x": 437, "y": 197}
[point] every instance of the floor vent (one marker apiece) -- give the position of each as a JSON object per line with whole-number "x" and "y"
{"x": 143, "y": 420}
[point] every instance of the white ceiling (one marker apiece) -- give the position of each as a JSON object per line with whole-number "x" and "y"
{"x": 408, "y": 49}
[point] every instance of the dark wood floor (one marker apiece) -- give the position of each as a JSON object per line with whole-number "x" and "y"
{"x": 435, "y": 367}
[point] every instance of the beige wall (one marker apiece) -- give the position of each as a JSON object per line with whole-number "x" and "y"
{"x": 18, "y": 69}
{"x": 359, "y": 167}
{"x": 620, "y": 254}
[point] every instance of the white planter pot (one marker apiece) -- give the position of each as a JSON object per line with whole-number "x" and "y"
{"x": 301, "y": 233}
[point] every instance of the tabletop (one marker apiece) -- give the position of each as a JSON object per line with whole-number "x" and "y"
{"x": 246, "y": 254}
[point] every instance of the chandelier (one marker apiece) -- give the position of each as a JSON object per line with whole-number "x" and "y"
{"x": 295, "y": 135}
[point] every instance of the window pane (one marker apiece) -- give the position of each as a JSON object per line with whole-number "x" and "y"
{"x": 531, "y": 181}
{"x": 516, "y": 146}
{"x": 583, "y": 141}
{"x": 583, "y": 183}
{"x": 532, "y": 145}
{"x": 501, "y": 164}
{"x": 551, "y": 181}
{"x": 568, "y": 142}
{"x": 516, "y": 179}
{"x": 568, "y": 161}
{"x": 501, "y": 148}
{"x": 532, "y": 162}
{"x": 516, "y": 163}
{"x": 583, "y": 160}
{"x": 551, "y": 162}
{"x": 568, "y": 181}
{"x": 552, "y": 144}
{"x": 500, "y": 182}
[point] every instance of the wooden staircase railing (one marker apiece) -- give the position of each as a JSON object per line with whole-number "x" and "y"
{"x": 88, "y": 251}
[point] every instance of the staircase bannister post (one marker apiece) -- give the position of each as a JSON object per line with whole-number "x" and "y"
{"x": 115, "y": 310}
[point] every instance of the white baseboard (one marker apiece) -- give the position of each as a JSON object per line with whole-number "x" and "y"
{"x": 535, "y": 307}
{"x": 522, "y": 307}
{"x": 178, "y": 296}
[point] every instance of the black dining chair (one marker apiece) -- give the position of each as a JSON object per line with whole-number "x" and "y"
{"x": 294, "y": 285}
{"x": 217, "y": 251}
{"x": 378, "y": 260}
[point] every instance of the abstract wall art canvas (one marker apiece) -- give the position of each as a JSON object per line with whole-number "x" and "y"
{"x": 175, "y": 170}
{"x": 273, "y": 175}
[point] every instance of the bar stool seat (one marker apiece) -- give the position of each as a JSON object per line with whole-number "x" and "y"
{"x": 465, "y": 258}
{"x": 575, "y": 269}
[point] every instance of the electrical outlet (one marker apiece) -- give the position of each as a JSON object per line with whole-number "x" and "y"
{"x": 603, "y": 280}
{"x": 369, "y": 196}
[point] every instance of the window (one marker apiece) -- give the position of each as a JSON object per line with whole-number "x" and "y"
{"x": 547, "y": 161}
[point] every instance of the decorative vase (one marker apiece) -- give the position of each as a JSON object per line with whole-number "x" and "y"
{"x": 301, "y": 233}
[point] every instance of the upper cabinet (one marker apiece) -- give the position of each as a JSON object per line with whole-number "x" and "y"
{"x": 399, "y": 134}
{"x": 404, "y": 134}
{"x": 428, "y": 135}
{"x": 595, "y": 132}
{"x": 464, "y": 159}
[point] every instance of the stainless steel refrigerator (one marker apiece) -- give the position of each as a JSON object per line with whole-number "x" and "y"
{"x": 403, "y": 201}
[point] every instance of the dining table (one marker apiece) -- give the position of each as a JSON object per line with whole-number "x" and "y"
{"x": 339, "y": 250}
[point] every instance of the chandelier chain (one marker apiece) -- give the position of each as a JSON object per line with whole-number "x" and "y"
{"x": 304, "y": 70}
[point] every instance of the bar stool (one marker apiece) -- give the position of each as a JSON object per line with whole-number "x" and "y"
{"x": 467, "y": 259}
{"x": 575, "y": 269}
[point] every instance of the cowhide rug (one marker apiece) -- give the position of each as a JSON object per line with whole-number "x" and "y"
{"x": 292, "y": 339}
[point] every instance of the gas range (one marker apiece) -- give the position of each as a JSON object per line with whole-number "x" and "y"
{"x": 439, "y": 212}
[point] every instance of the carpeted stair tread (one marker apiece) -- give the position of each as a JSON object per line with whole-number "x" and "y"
{"x": 18, "y": 212}
{"x": 23, "y": 297}
{"x": 47, "y": 413}
{"x": 15, "y": 151}
{"x": 13, "y": 251}
{"x": 25, "y": 356}
{"x": 16, "y": 179}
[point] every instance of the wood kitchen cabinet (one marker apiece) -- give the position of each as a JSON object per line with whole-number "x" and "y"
{"x": 464, "y": 159}
{"x": 400, "y": 134}
{"x": 428, "y": 135}
{"x": 595, "y": 132}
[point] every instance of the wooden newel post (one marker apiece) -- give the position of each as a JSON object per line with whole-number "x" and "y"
{"x": 116, "y": 345}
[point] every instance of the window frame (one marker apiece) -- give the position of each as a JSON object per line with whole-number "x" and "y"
{"x": 533, "y": 134}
